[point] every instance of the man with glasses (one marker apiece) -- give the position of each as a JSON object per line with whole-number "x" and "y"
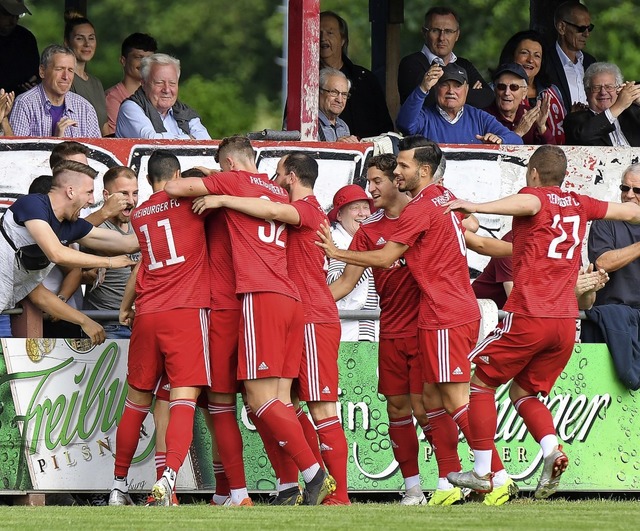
{"x": 334, "y": 93}
{"x": 615, "y": 247}
{"x": 441, "y": 31}
{"x": 568, "y": 61}
{"x": 613, "y": 115}
{"x": 511, "y": 107}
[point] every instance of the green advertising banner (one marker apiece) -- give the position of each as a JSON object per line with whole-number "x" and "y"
{"x": 59, "y": 407}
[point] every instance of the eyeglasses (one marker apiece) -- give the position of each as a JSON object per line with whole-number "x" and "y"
{"x": 512, "y": 86}
{"x": 439, "y": 31}
{"x": 580, "y": 29}
{"x": 597, "y": 88}
{"x": 335, "y": 93}
{"x": 624, "y": 188}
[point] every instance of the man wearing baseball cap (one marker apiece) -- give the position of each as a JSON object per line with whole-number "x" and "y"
{"x": 449, "y": 120}
{"x": 19, "y": 59}
{"x": 351, "y": 206}
{"x": 511, "y": 106}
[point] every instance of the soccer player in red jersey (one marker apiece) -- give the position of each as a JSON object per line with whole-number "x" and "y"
{"x": 272, "y": 324}
{"x": 317, "y": 382}
{"x": 448, "y": 321}
{"x": 170, "y": 329}
{"x": 534, "y": 342}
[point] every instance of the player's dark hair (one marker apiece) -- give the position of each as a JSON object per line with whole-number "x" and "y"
{"x": 118, "y": 171}
{"x": 386, "y": 163}
{"x": 440, "y": 11}
{"x": 551, "y": 164}
{"x": 66, "y": 149}
{"x": 238, "y": 145}
{"x": 41, "y": 184}
{"x": 192, "y": 172}
{"x": 139, "y": 41}
{"x": 162, "y": 166}
{"x": 304, "y": 166}
{"x": 426, "y": 151}
{"x": 71, "y": 20}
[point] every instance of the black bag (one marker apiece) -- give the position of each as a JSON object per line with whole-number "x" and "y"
{"x": 30, "y": 257}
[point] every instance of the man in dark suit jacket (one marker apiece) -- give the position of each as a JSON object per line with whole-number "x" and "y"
{"x": 567, "y": 58}
{"x": 613, "y": 116}
{"x": 441, "y": 31}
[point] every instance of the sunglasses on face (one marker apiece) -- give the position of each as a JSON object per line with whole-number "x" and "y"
{"x": 580, "y": 29}
{"x": 512, "y": 86}
{"x": 624, "y": 188}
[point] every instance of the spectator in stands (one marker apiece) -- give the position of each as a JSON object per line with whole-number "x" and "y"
{"x": 509, "y": 107}
{"x": 613, "y": 115}
{"x": 108, "y": 289}
{"x": 449, "y": 120}
{"x": 49, "y": 109}
{"x": 568, "y": 61}
{"x": 366, "y": 111}
{"x": 6, "y": 104}
{"x": 33, "y": 230}
{"x": 154, "y": 111}
{"x": 80, "y": 37}
{"x": 334, "y": 94}
{"x": 441, "y": 31}
{"x": 135, "y": 48}
{"x": 528, "y": 49}
{"x": 19, "y": 59}
{"x": 351, "y": 206}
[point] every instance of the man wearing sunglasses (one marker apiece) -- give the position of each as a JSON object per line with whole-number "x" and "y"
{"x": 511, "y": 106}
{"x": 615, "y": 247}
{"x": 568, "y": 60}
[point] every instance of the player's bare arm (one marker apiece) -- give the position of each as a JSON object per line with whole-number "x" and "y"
{"x": 50, "y": 303}
{"x": 487, "y": 246}
{"x": 111, "y": 242}
{"x": 252, "y": 206}
{"x": 188, "y": 187}
{"x": 127, "y": 313}
{"x": 513, "y": 205}
{"x": 345, "y": 283}
{"x": 382, "y": 258}
{"x": 628, "y": 211}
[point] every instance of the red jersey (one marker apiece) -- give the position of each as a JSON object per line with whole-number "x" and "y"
{"x": 399, "y": 293}
{"x": 223, "y": 279}
{"x": 258, "y": 246}
{"x": 546, "y": 252}
{"x": 174, "y": 271}
{"x": 437, "y": 260}
{"x": 489, "y": 285}
{"x": 308, "y": 264}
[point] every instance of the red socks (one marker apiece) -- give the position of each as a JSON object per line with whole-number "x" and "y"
{"x": 536, "y": 416}
{"x": 333, "y": 445}
{"x": 128, "y": 435}
{"x": 404, "y": 442}
{"x": 444, "y": 441}
{"x": 179, "y": 431}
{"x": 229, "y": 439}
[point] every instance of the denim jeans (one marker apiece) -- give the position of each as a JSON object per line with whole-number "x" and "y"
{"x": 117, "y": 331}
{"x": 5, "y": 326}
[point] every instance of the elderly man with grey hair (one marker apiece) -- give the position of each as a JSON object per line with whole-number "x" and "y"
{"x": 154, "y": 111}
{"x": 613, "y": 114}
{"x": 49, "y": 109}
{"x": 334, "y": 93}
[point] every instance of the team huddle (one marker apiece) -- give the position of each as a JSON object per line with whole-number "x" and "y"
{"x": 248, "y": 255}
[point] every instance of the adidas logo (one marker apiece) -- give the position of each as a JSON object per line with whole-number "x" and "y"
{"x": 457, "y": 371}
{"x": 167, "y": 387}
{"x": 325, "y": 448}
{"x": 326, "y": 390}
{"x": 381, "y": 241}
{"x": 282, "y": 443}
{"x": 394, "y": 445}
{"x": 263, "y": 367}
{"x": 484, "y": 359}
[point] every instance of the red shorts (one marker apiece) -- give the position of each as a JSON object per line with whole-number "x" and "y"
{"x": 399, "y": 366}
{"x": 174, "y": 341}
{"x": 445, "y": 352}
{"x": 318, "y": 378}
{"x": 271, "y": 336}
{"x": 533, "y": 351}
{"x": 224, "y": 327}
